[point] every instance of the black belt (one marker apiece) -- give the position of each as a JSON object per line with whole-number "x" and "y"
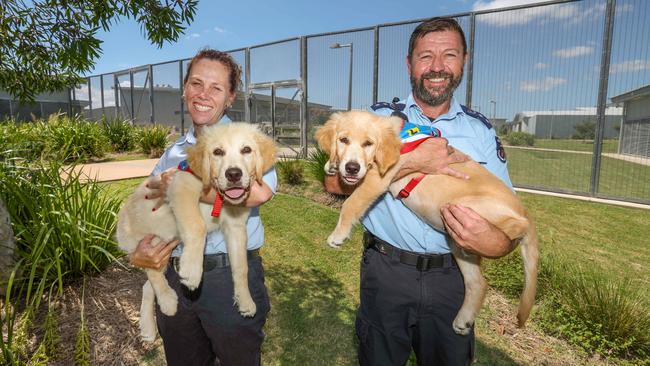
{"x": 423, "y": 262}
{"x": 218, "y": 260}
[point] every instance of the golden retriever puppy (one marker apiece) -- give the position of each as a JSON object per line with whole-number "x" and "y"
{"x": 364, "y": 149}
{"x": 229, "y": 158}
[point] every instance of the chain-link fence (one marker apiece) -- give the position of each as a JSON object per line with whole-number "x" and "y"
{"x": 574, "y": 74}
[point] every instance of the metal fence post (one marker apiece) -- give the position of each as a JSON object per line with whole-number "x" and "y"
{"x": 375, "y": 67}
{"x": 470, "y": 60}
{"x": 151, "y": 116}
{"x": 90, "y": 99}
{"x": 247, "y": 81}
{"x": 182, "y": 100}
{"x": 132, "y": 97}
{"x": 304, "y": 124}
{"x": 101, "y": 93}
{"x": 608, "y": 30}
{"x": 117, "y": 96}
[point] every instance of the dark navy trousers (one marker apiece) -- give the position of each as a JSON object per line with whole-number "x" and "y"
{"x": 207, "y": 328}
{"x": 403, "y": 308}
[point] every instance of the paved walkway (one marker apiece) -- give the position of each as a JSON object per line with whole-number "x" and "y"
{"x": 116, "y": 170}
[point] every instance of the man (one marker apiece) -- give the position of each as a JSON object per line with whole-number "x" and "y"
{"x": 405, "y": 306}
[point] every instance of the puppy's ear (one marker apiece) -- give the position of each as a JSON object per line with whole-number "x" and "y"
{"x": 265, "y": 154}
{"x": 198, "y": 157}
{"x": 387, "y": 153}
{"x": 326, "y": 135}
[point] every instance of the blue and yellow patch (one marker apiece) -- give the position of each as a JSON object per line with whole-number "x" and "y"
{"x": 501, "y": 152}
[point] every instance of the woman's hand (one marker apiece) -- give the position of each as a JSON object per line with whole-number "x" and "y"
{"x": 150, "y": 256}
{"x": 474, "y": 233}
{"x": 159, "y": 185}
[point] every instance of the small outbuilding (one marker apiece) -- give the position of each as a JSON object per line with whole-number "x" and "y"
{"x": 635, "y": 129}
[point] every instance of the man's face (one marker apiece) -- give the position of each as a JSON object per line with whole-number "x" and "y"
{"x": 436, "y": 67}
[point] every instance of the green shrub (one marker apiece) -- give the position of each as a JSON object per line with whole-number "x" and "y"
{"x": 316, "y": 164}
{"x": 597, "y": 313}
{"x": 63, "y": 227}
{"x": 153, "y": 140}
{"x": 291, "y": 171}
{"x": 520, "y": 139}
{"x": 23, "y": 140}
{"x": 585, "y": 130}
{"x": 120, "y": 133}
{"x": 72, "y": 139}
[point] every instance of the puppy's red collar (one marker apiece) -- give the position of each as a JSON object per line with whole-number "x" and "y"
{"x": 412, "y": 137}
{"x": 218, "y": 200}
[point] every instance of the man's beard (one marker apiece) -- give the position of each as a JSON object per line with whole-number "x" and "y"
{"x": 420, "y": 92}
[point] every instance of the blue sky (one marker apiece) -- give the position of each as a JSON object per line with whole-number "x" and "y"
{"x": 545, "y": 58}
{"x": 227, "y": 25}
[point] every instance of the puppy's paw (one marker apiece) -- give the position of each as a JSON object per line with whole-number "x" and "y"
{"x": 335, "y": 240}
{"x": 190, "y": 274}
{"x": 168, "y": 302}
{"x": 148, "y": 329}
{"x": 246, "y": 305}
{"x": 463, "y": 323}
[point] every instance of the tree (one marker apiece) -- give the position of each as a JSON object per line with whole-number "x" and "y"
{"x": 585, "y": 130}
{"x": 47, "y": 45}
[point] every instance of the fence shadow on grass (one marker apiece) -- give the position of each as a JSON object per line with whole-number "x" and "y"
{"x": 311, "y": 320}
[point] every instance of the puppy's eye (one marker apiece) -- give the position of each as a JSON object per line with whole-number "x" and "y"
{"x": 218, "y": 152}
{"x": 246, "y": 150}
{"x": 344, "y": 140}
{"x": 367, "y": 143}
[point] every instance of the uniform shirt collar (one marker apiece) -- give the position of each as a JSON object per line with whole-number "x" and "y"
{"x": 190, "y": 136}
{"x": 454, "y": 108}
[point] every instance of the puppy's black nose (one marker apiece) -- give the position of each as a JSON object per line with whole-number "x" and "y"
{"x": 352, "y": 167}
{"x": 233, "y": 174}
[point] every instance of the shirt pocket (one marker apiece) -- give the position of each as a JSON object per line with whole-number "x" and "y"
{"x": 468, "y": 146}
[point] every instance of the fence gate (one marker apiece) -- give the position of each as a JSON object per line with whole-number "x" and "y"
{"x": 133, "y": 95}
{"x": 277, "y": 108}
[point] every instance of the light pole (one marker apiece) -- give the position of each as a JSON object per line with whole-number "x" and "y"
{"x": 338, "y": 45}
{"x": 494, "y": 109}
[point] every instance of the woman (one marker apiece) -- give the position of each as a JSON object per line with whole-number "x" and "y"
{"x": 207, "y": 325}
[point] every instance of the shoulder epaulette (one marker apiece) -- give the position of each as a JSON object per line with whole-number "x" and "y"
{"x": 477, "y": 115}
{"x": 395, "y": 106}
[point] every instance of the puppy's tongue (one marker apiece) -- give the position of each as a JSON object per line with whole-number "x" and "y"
{"x": 234, "y": 193}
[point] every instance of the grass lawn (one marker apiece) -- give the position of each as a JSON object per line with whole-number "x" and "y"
{"x": 314, "y": 289}
{"x": 572, "y": 172}
{"x": 609, "y": 146}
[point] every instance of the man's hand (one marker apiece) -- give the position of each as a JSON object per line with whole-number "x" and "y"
{"x": 473, "y": 233}
{"x": 334, "y": 185}
{"x": 158, "y": 187}
{"x": 149, "y": 256}
{"x": 433, "y": 156}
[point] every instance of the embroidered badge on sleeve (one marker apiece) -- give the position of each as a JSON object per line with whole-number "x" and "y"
{"x": 501, "y": 152}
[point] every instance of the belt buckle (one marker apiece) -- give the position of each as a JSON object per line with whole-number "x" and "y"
{"x": 423, "y": 263}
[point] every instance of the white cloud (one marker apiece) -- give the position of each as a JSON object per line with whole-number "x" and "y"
{"x": 569, "y": 13}
{"x": 573, "y": 51}
{"x": 630, "y": 66}
{"x": 193, "y": 35}
{"x": 544, "y": 85}
{"x": 219, "y": 30}
{"x": 541, "y": 66}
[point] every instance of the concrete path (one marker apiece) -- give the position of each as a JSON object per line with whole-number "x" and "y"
{"x": 116, "y": 170}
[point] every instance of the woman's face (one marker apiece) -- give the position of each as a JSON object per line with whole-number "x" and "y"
{"x": 207, "y": 92}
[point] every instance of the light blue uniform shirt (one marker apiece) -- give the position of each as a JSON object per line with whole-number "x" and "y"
{"x": 215, "y": 242}
{"x": 390, "y": 220}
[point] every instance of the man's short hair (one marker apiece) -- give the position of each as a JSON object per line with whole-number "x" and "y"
{"x": 437, "y": 24}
